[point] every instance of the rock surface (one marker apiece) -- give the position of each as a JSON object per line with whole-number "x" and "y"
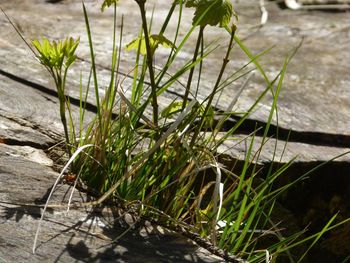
{"x": 314, "y": 111}
{"x": 314, "y": 102}
{"x": 82, "y": 235}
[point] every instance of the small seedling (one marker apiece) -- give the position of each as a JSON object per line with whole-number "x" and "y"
{"x": 57, "y": 57}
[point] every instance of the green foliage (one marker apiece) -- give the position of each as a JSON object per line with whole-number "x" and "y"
{"x": 168, "y": 168}
{"x": 57, "y": 57}
{"x": 172, "y": 108}
{"x": 212, "y": 12}
{"x": 54, "y": 54}
{"x": 154, "y": 41}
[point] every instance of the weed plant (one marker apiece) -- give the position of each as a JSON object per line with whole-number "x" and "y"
{"x": 164, "y": 161}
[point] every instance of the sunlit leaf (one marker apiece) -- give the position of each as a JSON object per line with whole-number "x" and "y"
{"x": 134, "y": 45}
{"x": 56, "y": 54}
{"x": 161, "y": 40}
{"x": 155, "y": 41}
{"x": 216, "y": 12}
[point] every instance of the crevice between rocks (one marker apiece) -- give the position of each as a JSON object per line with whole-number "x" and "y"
{"x": 247, "y": 127}
{"x": 29, "y": 124}
{"x": 74, "y": 101}
{"x": 14, "y": 142}
{"x": 51, "y": 137}
{"x": 308, "y": 137}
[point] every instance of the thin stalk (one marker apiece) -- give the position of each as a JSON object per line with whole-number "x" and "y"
{"x": 119, "y": 50}
{"x": 137, "y": 87}
{"x": 226, "y": 60}
{"x": 168, "y": 17}
{"x": 150, "y": 54}
{"x": 112, "y": 84}
{"x": 94, "y": 73}
{"x": 62, "y": 101}
{"x": 72, "y": 141}
{"x": 196, "y": 23}
{"x": 200, "y": 68}
{"x": 179, "y": 19}
{"x": 190, "y": 76}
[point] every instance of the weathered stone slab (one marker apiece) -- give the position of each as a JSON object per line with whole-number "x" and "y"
{"x": 315, "y": 93}
{"x": 28, "y": 107}
{"x": 307, "y": 101}
{"x": 314, "y": 97}
{"x": 91, "y": 234}
{"x": 29, "y": 113}
{"x": 279, "y": 151}
{"x": 323, "y": 2}
{"x": 314, "y": 101}
{"x": 12, "y": 132}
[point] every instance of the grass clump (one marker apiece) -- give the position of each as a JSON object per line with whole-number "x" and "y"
{"x": 164, "y": 159}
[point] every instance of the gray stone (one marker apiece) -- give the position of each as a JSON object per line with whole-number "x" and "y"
{"x": 314, "y": 106}
{"x": 272, "y": 150}
{"x": 314, "y": 98}
{"x": 86, "y": 234}
{"x": 14, "y": 133}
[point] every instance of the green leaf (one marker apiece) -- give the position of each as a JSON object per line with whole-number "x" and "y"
{"x": 212, "y": 12}
{"x": 70, "y": 45}
{"x": 174, "y": 107}
{"x": 56, "y": 54}
{"x": 70, "y": 60}
{"x": 134, "y": 45}
{"x": 38, "y": 46}
{"x": 161, "y": 40}
{"x": 108, "y": 3}
{"x": 193, "y": 3}
{"x": 209, "y": 117}
{"x": 155, "y": 41}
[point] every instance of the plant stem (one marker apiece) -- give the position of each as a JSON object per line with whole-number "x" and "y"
{"x": 190, "y": 76}
{"x": 167, "y": 19}
{"x": 150, "y": 54}
{"x": 62, "y": 101}
{"x": 226, "y": 60}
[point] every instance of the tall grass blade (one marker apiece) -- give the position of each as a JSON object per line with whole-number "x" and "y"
{"x": 76, "y": 153}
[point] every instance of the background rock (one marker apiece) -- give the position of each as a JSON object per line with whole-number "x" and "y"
{"x": 82, "y": 235}
{"x": 314, "y": 102}
{"x": 314, "y": 106}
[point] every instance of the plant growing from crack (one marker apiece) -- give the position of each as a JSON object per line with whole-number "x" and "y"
{"x": 168, "y": 168}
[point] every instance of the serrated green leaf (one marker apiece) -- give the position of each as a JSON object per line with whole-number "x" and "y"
{"x": 154, "y": 40}
{"x": 162, "y": 40}
{"x": 134, "y": 45}
{"x": 216, "y": 12}
{"x": 70, "y": 46}
{"x": 38, "y": 46}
